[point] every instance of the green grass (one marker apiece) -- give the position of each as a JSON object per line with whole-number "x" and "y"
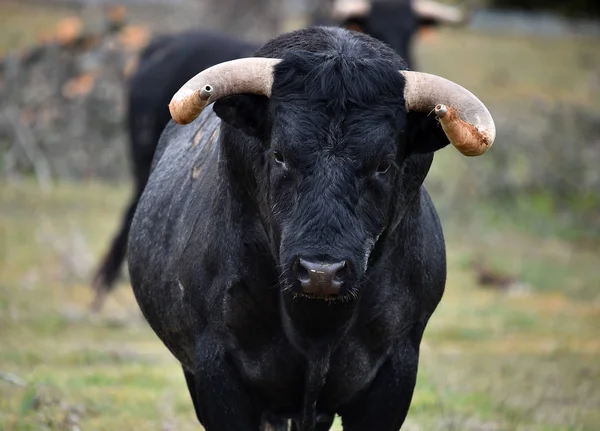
{"x": 514, "y": 68}
{"x": 490, "y": 360}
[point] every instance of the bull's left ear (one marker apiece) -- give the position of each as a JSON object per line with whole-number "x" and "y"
{"x": 424, "y": 133}
{"x": 245, "y": 112}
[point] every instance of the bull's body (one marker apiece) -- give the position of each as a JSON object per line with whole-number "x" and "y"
{"x": 171, "y": 60}
{"x": 208, "y": 275}
{"x": 164, "y": 66}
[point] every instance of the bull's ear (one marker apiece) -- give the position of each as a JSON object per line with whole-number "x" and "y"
{"x": 428, "y": 23}
{"x": 245, "y": 112}
{"x": 424, "y": 133}
{"x": 354, "y": 24}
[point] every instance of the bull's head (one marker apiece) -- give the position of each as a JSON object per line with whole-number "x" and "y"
{"x": 329, "y": 173}
{"x": 396, "y": 21}
{"x": 428, "y": 11}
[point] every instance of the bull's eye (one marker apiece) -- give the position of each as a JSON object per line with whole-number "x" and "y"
{"x": 383, "y": 167}
{"x": 278, "y": 157}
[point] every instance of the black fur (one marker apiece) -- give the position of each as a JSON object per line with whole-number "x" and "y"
{"x": 221, "y": 220}
{"x": 165, "y": 65}
{"x": 170, "y": 60}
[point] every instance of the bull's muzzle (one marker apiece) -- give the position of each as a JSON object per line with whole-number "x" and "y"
{"x": 321, "y": 278}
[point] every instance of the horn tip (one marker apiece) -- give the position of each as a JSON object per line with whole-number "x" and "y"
{"x": 186, "y": 105}
{"x": 480, "y": 144}
{"x": 177, "y": 115}
{"x": 467, "y": 138}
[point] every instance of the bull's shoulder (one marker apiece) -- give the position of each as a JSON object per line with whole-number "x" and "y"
{"x": 181, "y": 186}
{"x": 179, "y": 201}
{"x": 185, "y": 145}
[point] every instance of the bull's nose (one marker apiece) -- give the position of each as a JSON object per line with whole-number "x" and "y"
{"x": 321, "y": 278}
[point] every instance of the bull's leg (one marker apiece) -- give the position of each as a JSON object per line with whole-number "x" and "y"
{"x": 383, "y": 406}
{"x": 273, "y": 423}
{"x": 191, "y": 384}
{"x": 223, "y": 399}
{"x": 324, "y": 425}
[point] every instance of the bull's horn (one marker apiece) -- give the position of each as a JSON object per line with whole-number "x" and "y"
{"x": 466, "y": 121}
{"x": 344, "y": 9}
{"x": 245, "y": 75}
{"x": 433, "y": 10}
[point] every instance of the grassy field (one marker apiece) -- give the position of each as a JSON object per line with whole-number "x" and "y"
{"x": 490, "y": 360}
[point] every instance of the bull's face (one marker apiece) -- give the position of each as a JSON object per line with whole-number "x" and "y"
{"x": 326, "y": 167}
{"x": 327, "y": 171}
{"x": 330, "y": 185}
{"x": 317, "y": 142}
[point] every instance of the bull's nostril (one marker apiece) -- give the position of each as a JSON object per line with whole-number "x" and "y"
{"x": 341, "y": 273}
{"x": 301, "y": 271}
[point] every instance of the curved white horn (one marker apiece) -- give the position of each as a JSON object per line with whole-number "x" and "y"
{"x": 466, "y": 121}
{"x": 252, "y": 75}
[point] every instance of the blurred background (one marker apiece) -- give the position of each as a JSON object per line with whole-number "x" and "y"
{"x": 515, "y": 343}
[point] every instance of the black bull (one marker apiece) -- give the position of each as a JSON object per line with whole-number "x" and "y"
{"x": 170, "y": 60}
{"x": 244, "y": 202}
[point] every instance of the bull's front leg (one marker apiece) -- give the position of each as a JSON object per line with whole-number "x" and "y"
{"x": 383, "y": 406}
{"x": 221, "y": 398}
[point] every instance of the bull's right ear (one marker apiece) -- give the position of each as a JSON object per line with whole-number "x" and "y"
{"x": 244, "y": 112}
{"x": 425, "y": 134}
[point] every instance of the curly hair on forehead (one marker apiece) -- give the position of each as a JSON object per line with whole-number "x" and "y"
{"x": 351, "y": 70}
{"x": 329, "y": 40}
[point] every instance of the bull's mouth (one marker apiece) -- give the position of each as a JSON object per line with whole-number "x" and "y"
{"x": 313, "y": 297}
{"x": 346, "y": 293}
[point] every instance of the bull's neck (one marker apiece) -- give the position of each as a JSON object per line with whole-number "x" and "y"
{"x": 314, "y": 324}
{"x": 236, "y": 162}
